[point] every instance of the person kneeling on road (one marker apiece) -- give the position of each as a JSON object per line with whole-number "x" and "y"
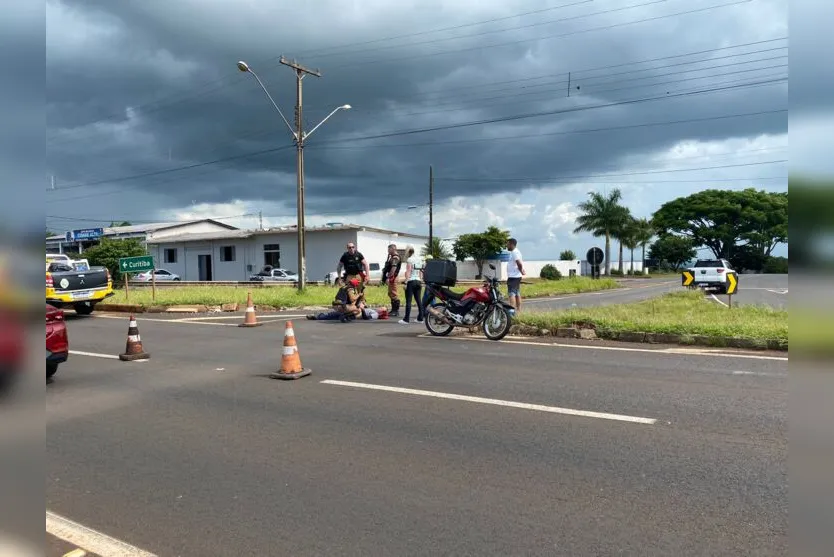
{"x": 348, "y": 305}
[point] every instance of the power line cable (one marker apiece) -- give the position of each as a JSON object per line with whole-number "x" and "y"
{"x": 422, "y": 56}
{"x": 423, "y": 130}
{"x": 642, "y": 172}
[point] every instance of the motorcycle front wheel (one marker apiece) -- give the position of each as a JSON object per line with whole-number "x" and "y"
{"x": 437, "y": 327}
{"x": 497, "y": 323}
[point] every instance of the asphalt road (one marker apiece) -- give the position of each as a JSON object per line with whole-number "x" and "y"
{"x": 379, "y": 452}
{"x": 765, "y": 290}
{"x": 634, "y": 290}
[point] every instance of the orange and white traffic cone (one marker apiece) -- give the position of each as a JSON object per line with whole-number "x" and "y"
{"x": 291, "y": 367}
{"x": 133, "y": 349}
{"x": 249, "y": 319}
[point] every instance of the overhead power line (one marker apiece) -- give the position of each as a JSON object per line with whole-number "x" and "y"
{"x": 421, "y": 130}
{"x": 640, "y": 173}
{"x": 422, "y": 56}
{"x": 577, "y": 73}
{"x": 223, "y": 81}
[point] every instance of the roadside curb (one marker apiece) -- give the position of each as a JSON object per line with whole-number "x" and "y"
{"x": 593, "y": 333}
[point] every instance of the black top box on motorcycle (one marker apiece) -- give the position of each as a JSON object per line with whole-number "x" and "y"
{"x": 441, "y": 271}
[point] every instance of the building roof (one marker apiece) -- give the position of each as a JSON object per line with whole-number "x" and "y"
{"x": 238, "y": 234}
{"x": 148, "y": 227}
{"x": 202, "y": 236}
{"x": 336, "y": 226}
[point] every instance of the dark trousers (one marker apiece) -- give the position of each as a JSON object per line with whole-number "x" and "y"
{"x": 412, "y": 291}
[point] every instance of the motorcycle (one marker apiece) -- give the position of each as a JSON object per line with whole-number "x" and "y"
{"x": 478, "y": 306}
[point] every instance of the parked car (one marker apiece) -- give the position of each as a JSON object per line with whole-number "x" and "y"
{"x": 274, "y": 275}
{"x": 159, "y": 274}
{"x": 57, "y": 340}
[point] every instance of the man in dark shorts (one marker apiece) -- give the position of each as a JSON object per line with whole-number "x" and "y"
{"x": 515, "y": 270}
{"x": 353, "y": 262}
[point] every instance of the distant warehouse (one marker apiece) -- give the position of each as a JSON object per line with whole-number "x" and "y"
{"x": 234, "y": 255}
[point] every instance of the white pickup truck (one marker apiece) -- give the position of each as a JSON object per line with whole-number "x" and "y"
{"x": 711, "y": 273}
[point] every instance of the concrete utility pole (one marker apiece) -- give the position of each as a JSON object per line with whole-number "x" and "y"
{"x": 299, "y": 136}
{"x": 300, "y": 72}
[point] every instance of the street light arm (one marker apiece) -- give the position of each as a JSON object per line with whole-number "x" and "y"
{"x": 337, "y": 109}
{"x": 292, "y": 131}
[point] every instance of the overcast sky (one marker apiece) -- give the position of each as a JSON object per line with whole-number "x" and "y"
{"x": 521, "y": 106}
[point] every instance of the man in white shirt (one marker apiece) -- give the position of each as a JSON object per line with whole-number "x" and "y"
{"x": 515, "y": 270}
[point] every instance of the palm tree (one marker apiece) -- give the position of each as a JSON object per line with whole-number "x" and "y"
{"x": 436, "y": 249}
{"x": 643, "y": 234}
{"x": 629, "y": 238}
{"x": 602, "y": 216}
{"x": 622, "y": 234}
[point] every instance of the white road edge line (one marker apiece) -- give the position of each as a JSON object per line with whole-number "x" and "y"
{"x": 193, "y": 320}
{"x": 89, "y": 539}
{"x": 717, "y": 300}
{"x": 760, "y": 373}
{"x": 661, "y": 351}
{"x": 94, "y": 354}
{"x": 496, "y": 402}
{"x": 276, "y": 318}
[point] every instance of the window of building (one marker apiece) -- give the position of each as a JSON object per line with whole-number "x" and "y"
{"x": 272, "y": 255}
{"x": 227, "y": 253}
{"x": 170, "y": 255}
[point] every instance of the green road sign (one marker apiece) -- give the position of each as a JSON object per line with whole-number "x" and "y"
{"x": 136, "y": 264}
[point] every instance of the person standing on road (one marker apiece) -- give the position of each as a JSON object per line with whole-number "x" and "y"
{"x": 515, "y": 270}
{"x": 353, "y": 263}
{"x": 390, "y": 274}
{"x": 414, "y": 279}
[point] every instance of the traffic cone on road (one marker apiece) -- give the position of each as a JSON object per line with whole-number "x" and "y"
{"x": 249, "y": 319}
{"x": 291, "y": 367}
{"x": 133, "y": 349}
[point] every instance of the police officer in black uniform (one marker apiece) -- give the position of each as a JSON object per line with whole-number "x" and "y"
{"x": 353, "y": 263}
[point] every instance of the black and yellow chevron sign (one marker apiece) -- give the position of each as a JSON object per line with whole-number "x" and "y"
{"x": 687, "y": 278}
{"x": 732, "y": 283}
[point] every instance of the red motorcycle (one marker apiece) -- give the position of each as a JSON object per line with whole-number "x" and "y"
{"x": 478, "y": 306}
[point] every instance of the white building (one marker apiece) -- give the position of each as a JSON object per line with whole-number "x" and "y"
{"x": 234, "y": 255}
{"x": 65, "y": 243}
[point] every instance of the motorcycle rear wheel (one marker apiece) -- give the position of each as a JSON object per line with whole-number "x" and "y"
{"x": 497, "y": 331}
{"x": 435, "y": 326}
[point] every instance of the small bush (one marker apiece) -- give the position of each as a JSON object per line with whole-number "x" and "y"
{"x": 550, "y": 272}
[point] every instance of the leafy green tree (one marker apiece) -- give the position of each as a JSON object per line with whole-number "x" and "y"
{"x": 602, "y": 215}
{"x": 436, "y": 249}
{"x": 673, "y": 251}
{"x": 481, "y": 246}
{"x": 114, "y": 224}
{"x": 108, "y": 252}
{"x": 720, "y": 220}
{"x": 567, "y": 255}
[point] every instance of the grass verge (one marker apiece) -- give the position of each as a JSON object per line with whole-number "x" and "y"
{"x": 677, "y": 313}
{"x": 288, "y": 296}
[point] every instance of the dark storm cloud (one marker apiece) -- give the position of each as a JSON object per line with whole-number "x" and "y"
{"x": 148, "y": 50}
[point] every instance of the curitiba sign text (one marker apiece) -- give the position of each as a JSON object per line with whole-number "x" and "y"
{"x": 136, "y": 264}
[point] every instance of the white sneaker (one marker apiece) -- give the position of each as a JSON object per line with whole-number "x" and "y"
{"x": 402, "y": 322}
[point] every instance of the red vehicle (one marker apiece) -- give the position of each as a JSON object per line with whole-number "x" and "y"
{"x": 12, "y": 347}
{"x": 57, "y": 342}
{"x": 479, "y": 305}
